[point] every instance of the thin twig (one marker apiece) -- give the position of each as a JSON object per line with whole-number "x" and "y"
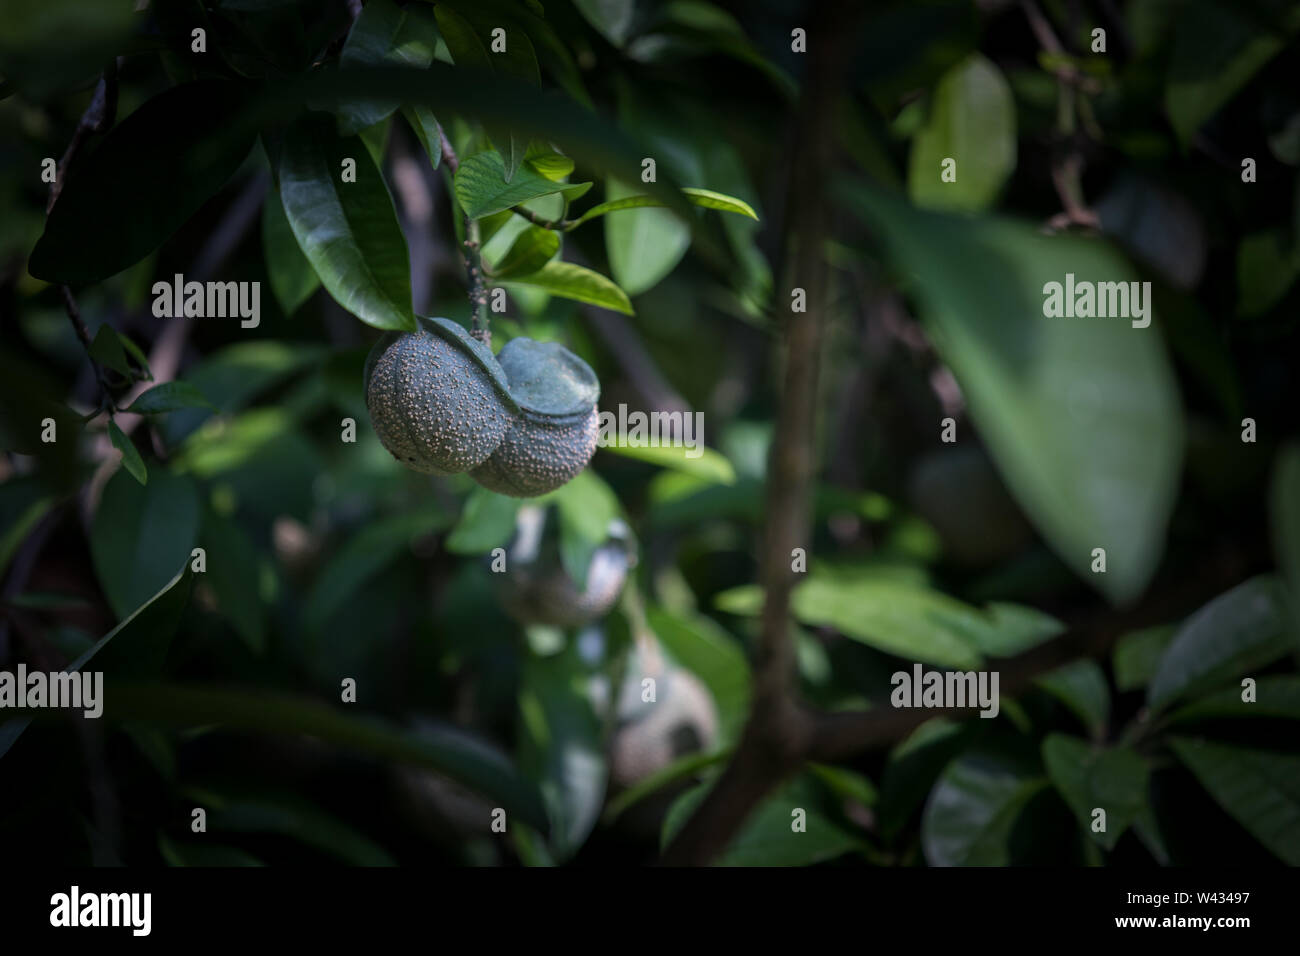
{"x": 473, "y": 253}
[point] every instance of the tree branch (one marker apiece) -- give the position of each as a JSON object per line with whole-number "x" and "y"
{"x": 778, "y": 732}
{"x": 473, "y": 254}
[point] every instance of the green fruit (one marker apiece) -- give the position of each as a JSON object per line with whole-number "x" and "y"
{"x": 537, "y": 589}
{"x": 554, "y": 435}
{"x": 652, "y": 734}
{"x": 438, "y": 400}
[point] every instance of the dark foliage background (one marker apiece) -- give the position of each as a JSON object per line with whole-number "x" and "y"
{"x": 327, "y": 561}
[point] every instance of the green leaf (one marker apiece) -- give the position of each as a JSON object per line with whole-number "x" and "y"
{"x": 107, "y": 350}
{"x": 1285, "y": 509}
{"x": 1276, "y": 695}
{"x": 708, "y": 465}
{"x": 169, "y": 397}
{"x": 560, "y": 747}
{"x": 644, "y": 245}
{"x": 688, "y": 765}
{"x": 139, "y": 538}
{"x": 1267, "y": 266}
{"x": 131, "y": 459}
{"x": 1217, "y": 48}
{"x": 1082, "y": 687}
{"x": 128, "y": 196}
{"x": 300, "y": 820}
{"x": 1242, "y": 629}
{"x": 481, "y": 187}
{"x": 425, "y": 126}
{"x": 547, "y": 162}
{"x": 846, "y": 784}
{"x": 972, "y": 810}
{"x": 712, "y": 655}
{"x": 914, "y": 765}
{"x": 234, "y": 575}
{"x": 445, "y": 749}
{"x": 1259, "y": 789}
{"x": 531, "y": 250}
{"x": 137, "y": 645}
{"x": 364, "y": 555}
{"x": 348, "y": 231}
{"x": 901, "y": 618}
{"x": 972, "y": 121}
{"x": 571, "y": 281}
{"x": 385, "y": 33}
{"x": 768, "y": 837}
{"x": 292, "y": 277}
{"x": 611, "y": 18}
{"x": 487, "y": 521}
{"x": 1082, "y": 416}
{"x": 1113, "y": 779}
{"x": 1137, "y": 655}
{"x": 697, "y": 197}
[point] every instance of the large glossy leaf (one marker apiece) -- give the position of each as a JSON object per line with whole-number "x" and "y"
{"x": 560, "y": 747}
{"x": 292, "y": 277}
{"x": 348, "y": 231}
{"x": 385, "y": 33}
{"x": 1244, "y": 628}
{"x": 482, "y": 189}
{"x": 1081, "y": 415}
{"x": 973, "y": 122}
{"x": 137, "y": 645}
{"x": 122, "y": 201}
{"x": 446, "y": 749}
{"x": 644, "y": 245}
{"x": 572, "y": 281}
{"x": 1276, "y": 695}
{"x": 142, "y": 536}
{"x": 1260, "y": 789}
{"x": 972, "y": 810}
{"x": 1113, "y": 779}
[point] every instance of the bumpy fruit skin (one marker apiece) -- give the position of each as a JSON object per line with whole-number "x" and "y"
{"x": 432, "y": 405}
{"x": 682, "y": 720}
{"x": 554, "y": 436}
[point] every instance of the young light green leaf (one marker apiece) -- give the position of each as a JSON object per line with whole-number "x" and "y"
{"x": 1241, "y": 629}
{"x": 169, "y": 397}
{"x": 292, "y": 277}
{"x": 349, "y": 231}
{"x": 531, "y": 250}
{"x": 487, "y": 521}
{"x": 643, "y": 245}
{"x": 481, "y": 187}
{"x": 973, "y": 123}
{"x": 571, "y": 281}
{"x": 709, "y": 465}
{"x": 1113, "y": 779}
{"x": 697, "y": 197}
{"x": 131, "y": 459}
